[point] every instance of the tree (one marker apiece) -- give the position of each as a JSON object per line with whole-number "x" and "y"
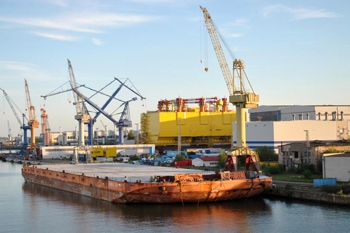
{"x": 266, "y": 154}
{"x": 131, "y": 135}
{"x": 222, "y": 159}
{"x": 180, "y": 157}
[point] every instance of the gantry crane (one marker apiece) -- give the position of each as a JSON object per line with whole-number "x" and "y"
{"x": 32, "y": 123}
{"x": 239, "y": 96}
{"x": 23, "y": 151}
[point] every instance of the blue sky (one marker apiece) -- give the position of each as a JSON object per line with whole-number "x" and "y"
{"x": 295, "y": 52}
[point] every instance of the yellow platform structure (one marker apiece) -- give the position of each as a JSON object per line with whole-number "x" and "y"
{"x": 99, "y": 151}
{"x": 208, "y": 124}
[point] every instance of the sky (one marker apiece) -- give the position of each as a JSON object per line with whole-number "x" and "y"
{"x": 295, "y": 53}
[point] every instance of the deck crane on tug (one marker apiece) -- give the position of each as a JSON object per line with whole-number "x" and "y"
{"x": 33, "y": 149}
{"x": 239, "y": 97}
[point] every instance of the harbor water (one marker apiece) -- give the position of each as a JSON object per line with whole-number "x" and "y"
{"x": 27, "y": 207}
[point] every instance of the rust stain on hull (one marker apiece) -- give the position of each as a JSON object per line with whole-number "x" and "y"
{"x": 180, "y": 188}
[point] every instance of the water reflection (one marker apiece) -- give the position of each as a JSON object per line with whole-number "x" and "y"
{"x": 203, "y": 217}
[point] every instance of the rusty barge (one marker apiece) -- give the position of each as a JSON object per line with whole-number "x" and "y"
{"x": 127, "y": 183}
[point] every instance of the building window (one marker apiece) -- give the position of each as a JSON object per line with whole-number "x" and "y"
{"x": 296, "y": 154}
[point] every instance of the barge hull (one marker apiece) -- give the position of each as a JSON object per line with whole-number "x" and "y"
{"x": 180, "y": 191}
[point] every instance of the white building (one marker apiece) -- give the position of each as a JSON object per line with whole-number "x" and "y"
{"x": 275, "y": 133}
{"x": 300, "y": 112}
{"x": 275, "y": 125}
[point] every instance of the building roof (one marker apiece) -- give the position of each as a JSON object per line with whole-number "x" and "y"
{"x": 338, "y": 155}
{"x": 317, "y": 143}
{"x": 209, "y": 158}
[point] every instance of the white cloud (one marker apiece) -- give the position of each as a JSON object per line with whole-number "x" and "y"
{"x": 88, "y": 23}
{"x": 62, "y": 3}
{"x": 240, "y": 23}
{"x": 96, "y": 41}
{"x": 232, "y": 35}
{"x": 15, "y": 70}
{"x": 299, "y": 13}
{"x": 56, "y": 36}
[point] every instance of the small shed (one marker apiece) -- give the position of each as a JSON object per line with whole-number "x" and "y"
{"x": 197, "y": 162}
{"x": 336, "y": 165}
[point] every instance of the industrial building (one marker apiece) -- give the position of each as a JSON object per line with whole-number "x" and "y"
{"x": 268, "y": 126}
{"x": 300, "y": 112}
{"x": 309, "y": 152}
{"x": 60, "y": 152}
{"x": 275, "y": 125}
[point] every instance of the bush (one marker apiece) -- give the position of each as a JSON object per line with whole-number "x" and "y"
{"x": 337, "y": 189}
{"x": 340, "y": 192}
{"x": 133, "y": 158}
{"x": 274, "y": 170}
{"x": 180, "y": 157}
{"x": 307, "y": 174}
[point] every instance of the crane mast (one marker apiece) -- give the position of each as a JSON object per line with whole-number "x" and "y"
{"x": 82, "y": 114}
{"x": 239, "y": 96}
{"x": 33, "y": 123}
{"x": 45, "y": 128}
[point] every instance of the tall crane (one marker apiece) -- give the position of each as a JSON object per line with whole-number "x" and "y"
{"x": 22, "y": 124}
{"x": 82, "y": 114}
{"x": 239, "y": 96}
{"x": 32, "y": 123}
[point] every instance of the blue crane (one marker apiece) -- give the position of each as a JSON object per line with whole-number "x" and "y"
{"x": 81, "y": 99}
{"x": 22, "y": 125}
{"x": 93, "y": 120}
{"x": 124, "y": 120}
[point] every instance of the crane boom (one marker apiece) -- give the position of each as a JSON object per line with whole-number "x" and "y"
{"x": 218, "y": 50}
{"x": 31, "y": 109}
{"x": 10, "y": 103}
{"x": 78, "y": 101}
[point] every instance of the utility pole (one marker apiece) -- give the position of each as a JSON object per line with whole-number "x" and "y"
{"x": 179, "y": 136}
{"x": 137, "y": 133}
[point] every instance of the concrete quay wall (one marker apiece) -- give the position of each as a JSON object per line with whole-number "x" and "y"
{"x": 320, "y": 197}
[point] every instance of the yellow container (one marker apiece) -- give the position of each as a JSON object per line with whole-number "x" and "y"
{"x": 97, "y": 152}
{"x": 110, "y": 152}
